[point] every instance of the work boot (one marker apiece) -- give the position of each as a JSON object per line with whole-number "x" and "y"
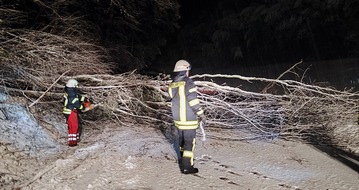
{"x": 190, "y": 170}
{"x": 72, "y": 143}
{"x": 180, "y": 165}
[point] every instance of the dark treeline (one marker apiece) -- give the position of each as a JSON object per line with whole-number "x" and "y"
{"x": 259, "y": 32}
{"x": 211, "y": 33}
{"x": 132, "y": 31}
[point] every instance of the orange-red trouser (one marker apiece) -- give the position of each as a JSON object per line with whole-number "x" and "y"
{"x": 73, "y": 126}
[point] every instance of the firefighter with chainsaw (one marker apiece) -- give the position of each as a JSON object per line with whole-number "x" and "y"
{"x": 186, "y": 112}
{"x": 74, "y": 103}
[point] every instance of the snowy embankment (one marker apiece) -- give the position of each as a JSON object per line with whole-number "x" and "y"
{"x": 20, "y": 129}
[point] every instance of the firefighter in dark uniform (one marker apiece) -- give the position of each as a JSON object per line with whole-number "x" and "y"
{"x": 186, "y": 112}
{"x": 74, "y": 102}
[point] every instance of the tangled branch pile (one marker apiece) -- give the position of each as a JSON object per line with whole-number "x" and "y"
{"x": 32, "y": 59}
{"x": 29, "y": 56}
{"x": 301, "y": 111}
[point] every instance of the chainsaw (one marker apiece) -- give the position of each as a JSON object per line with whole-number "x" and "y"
{"x": 88, "y": 104}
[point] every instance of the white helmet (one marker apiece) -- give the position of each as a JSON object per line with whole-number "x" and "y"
{"x": 182, "y": 65}
{"x": 72, "y": 83}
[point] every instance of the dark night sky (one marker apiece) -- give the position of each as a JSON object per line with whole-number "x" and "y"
{"x": 265, "y": 32}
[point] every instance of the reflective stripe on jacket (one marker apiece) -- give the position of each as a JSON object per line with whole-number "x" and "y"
{"x": 72, "y": 100}
{"x": 185, "y": 104}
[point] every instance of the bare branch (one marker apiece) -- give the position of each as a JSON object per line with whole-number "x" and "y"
{"x": 48, "y": 88}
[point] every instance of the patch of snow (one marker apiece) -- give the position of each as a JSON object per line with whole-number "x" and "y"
{"x": 21, "y": 129}
{"x": 82, "y": 153}
{"x": 90, "y": 148}
{"x": 285, "y": 173}
{"x": 3, "y": 97}
{"x": 128, "y": 163}
{"x": 90, "y": 186}
{"x": 63, "y": 163}
{"x": 131, "y": 182}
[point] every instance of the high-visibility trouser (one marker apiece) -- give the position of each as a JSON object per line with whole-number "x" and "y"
{"x": 73, "y": 126}
{"x": 186, "y": 125}
{"x": 187, "y": 141}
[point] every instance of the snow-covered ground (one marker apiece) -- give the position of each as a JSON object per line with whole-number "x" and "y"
{"x": 134, "y": 158}
{"x": 143, "y": 157}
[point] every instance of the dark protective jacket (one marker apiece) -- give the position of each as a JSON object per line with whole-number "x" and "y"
{"x": 72, "y": 100}
{"x": 185, "y": 104}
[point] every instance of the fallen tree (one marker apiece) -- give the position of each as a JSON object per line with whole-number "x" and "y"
{"x": 299, "y": 111}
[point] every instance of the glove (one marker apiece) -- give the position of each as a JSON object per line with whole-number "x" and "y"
{"x": 202, "y": 118}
